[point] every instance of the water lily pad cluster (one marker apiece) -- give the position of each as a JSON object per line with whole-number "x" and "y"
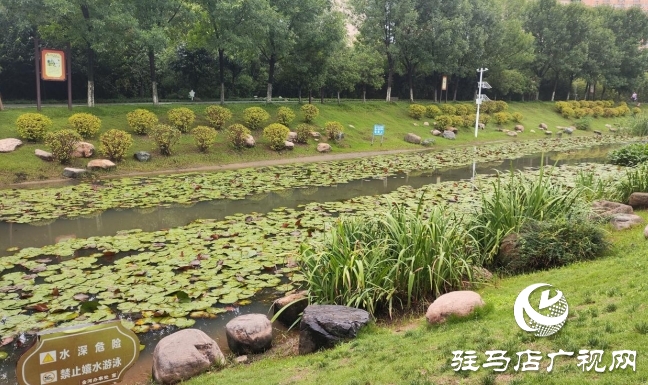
{"x": 43, "y": 205}
{"x": 172, "y": 277}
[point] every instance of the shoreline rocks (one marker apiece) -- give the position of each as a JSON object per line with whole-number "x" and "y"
{"x": 456, "y": 303}
{"x": 323, "y": 326}
{"x": 10, "y": 144}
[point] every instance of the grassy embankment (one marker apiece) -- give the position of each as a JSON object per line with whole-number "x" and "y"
{"x": 22, "y": 165}
{"x": 607, "y": 308}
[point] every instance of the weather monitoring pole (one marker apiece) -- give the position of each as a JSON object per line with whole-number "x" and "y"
{"x": 480, "y": 98}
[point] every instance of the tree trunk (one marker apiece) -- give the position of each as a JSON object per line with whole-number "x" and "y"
{"x": 1, "y": 105}
{"x": 364, "y": 94}
{"x": 411, "y": 86}
{"x": 322, "y": 95}
{"x": 271, "y": 70}
{"x": 151, "y": 56}
{"x": 553, "y": 93}
{"x": 338, "y": 97}
{"x": 90, "y": 69}
{"x": 603, "y": 93}
{"x": 299, "y": 94}
{"x": 435, "y": 94}
{"x": 454, "y": 97}
{"x": 594, "y": 92}
{"x": 310, "y": 96}
{"x": 221, "y": 75}
{"x": 390, "y": 76}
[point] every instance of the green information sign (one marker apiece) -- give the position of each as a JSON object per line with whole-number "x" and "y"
{"x": 86, "y": 355}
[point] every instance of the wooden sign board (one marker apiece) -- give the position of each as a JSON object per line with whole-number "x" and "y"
{"x": 94, "y": 354}
{"x": 444, "y": 83}
{"x": 53, "y": 65}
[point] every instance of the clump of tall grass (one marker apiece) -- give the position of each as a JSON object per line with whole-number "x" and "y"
{"x": 592, "y": 188}
{"x": 635, "y": 180}
{"x": 389, "y": 261}
{"x": 639, "y": 125}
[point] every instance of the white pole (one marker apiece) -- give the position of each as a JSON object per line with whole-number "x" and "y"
{"x": 481, "y": 74}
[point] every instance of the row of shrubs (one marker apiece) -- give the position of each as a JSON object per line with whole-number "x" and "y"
{"x": 606, "y": 109}
{"x": 417, "y": 111}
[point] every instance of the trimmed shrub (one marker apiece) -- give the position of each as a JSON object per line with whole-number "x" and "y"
{"x": 204, "y": 137}
{"x": 517, "y": 117}
{"x": 485, "y": 118}
{"x": 559, "y": 106}
{"x": 502, "y": 117}
{"x": 443, "y": 121}
{"x": 471, "y": 118}
{"x": 416, "y": 111}
{"x": 32, "y": 126}
{"x": 62, "y": 144}
{"x": 141, "y": 121}
{"x": 575, "y": 104}
{"x": 457, "y": 121}
{"x": 254, "y": 117}
{"x": 567, "y": 112}
{"x": 579, "y": 113}
{"x": 165, "y": 137}
{"x": 333, "y": 130}
{"x": 630, "y": 155}
{"x": 500, "y": 106}
{"x": 217, "y": 116}
{"x": 285, "y": 115}
{"x": 87, "y": 125}
{"x": 276, "y": 134}
{"x": 488, "y": 107}
{"x": 610, "y": 112}
{"x": 636, "y": 111}
{"x": 115, "y": 143}
{"x": 583, "y": 124}
{"x": 447, "y": 109}
{"x": 624, "y": 110}
{"x": 236, "y": 134}
{"x": 310, "y": 112}
{"x": 303, "y": 133}
{"x": 181, "y": 118}
{"x": 461, "y": 110}
{"x": 598, "y": 111}
{"x": 432, "y": 111}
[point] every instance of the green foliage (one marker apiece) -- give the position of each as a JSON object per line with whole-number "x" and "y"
{"x": 87, "y": 125}
{"x": 500, "y": 106}
{"x": 141, "y": 121}
{"x": 310, "y": 112}
{"x": 181, "y": 118}
{"x": 502, "y": 117}
{"x": 579, "y": 113}
{"x": 165, "y": 137}
{"x": 517, "y": 117}
{"x": 276, "y": 134}
{"x": 560, "y": 106}
{"x": 634, "y": 180}
{"x": 285, "y": 115}
{"x": 448, "y": 109}
{"x": 333, "y": 130}
{"x": 597, "y": 111}
{"x": 416, "y": 111}
{"x": 254, "y": 117}
{"x": 630, "y": 155}
{"x": 432, "y": 111}
{"x": 458, "y": 121}
{"x": 62, "y": 144}
{"x": 462, "y": 110}
{"x": 115, "y": 143}
{"x": 485, "y": 118}
{"x": 236, "y": 134}
{"x": 389, "y": 261}
{"x": 636, "y": 111}
{"x": 204, "y": 137}
{"x": 639, "y": 125}
{"x": 444, "y": 121}
{"x": 583, "y": 124}
{"x": 217, "y": 116}
{"x": 303, "y": 133}
{"x": 32, "y": 126}
{"x": 567, "y": 112}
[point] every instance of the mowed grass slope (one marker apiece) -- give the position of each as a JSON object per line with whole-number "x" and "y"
{"x": 22, "y": 164}
{"x": 607, "y": 311}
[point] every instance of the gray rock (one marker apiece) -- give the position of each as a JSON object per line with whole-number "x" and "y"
{"x": 10, "y": 144}
{"x": 568, "y": 130}
{"x": 603, "y": 208}
{"x": 249, "y": 334}
{"x": 315, "y": 134}
{"x": 323, "y": 147}
{"x": 596, "y": 132}
{"x": 638, "y": 200}
{"x": 292, "y": 136}
{"x": 289, "y": 145}
{"x": 547, "y": 132}
{"x": 449, "y": 135}
{"x": 83, "y": 150}
{"x": 291, "y": 313}
{"x": 44, "y": 155}
{"x": 646, "y": 232}
{"x": 426, "y": 123}
{"x": 249, "y": 141}
{"x": 70, "y": 172}
{"x": 532, "y": 131}
{"x": 436, "y": 132}
{"x": 241, "y": 359}
{"x": 457, "y": 303}
{"x": 428, "y": 142}
{"x": 625, "y": 221}
{"x": 453, "y": 129}
{"x": 512, "y": 133}
{"x": 413, "y": 138}
{"x": 322, "y": 326}
{"x": 104, "y": 164}
{"x": 184, "y": 354}
{"x": 142, "y": 156}
{"x": 519, "y": 128}
{"x": 543, "y": 126}
{"x": 481, "y": 126}
{"x": 339, "y": 136}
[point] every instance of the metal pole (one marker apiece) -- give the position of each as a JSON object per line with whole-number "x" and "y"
{"x": 481, "y": 73}
{"x": 38, "y": 75}
{"x": 68, "y": 62}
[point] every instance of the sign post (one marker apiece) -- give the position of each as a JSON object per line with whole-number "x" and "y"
{"x": 94, "y": 354}
{"x": 379, "y": 130}
{"x": 52, "y": 65}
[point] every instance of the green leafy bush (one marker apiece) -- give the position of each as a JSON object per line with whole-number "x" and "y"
{"x": 517, "y": 117}
{"x": 432, "y": 111}
{"x": 634, "y": 180}
{"x": 254, "y": 117}
{"x": 610, "y": 112}
{"x": 567, "y": 112}
{"x": 165, "y": 137}
{"x": 87, "y": 125}
{"x": 443, "y": 121}
{"x": 447, "y": 109}
{"x": 485, "y": 118}
{"x": 488, "y": 107}
{"x": 237, "y": 134}
{"x": 560, "y": 106}
{"x": 276, "y": 134}
{"x": 62, "y": 144}
{"x": 204, "y": 137}
{"x": 583, "y": 124}
{"x": 502, "y": 117}
{"x": 579, "y": 113}
{"x": 416, "y": 111}
{"x": 32, "y": 126}
{"x": 115, "y": 143}
{"x": 285, "y": 115}
{"x": 141, "y": 120}
{"x": 181, "y": 118}
{"x": 333, "y": 130}
{"x": 639, "y": 125}
{"x": 217, "y": 116}
{"x": 310, "y": 112}
{"x": 630, "y": 155}
{"x": 636, "y": 111}
{"x": 461, "y": 110}
{"x": 623, "y": 110}
{"x": 303, "y": 133}
{"x": 458, "y": 121}
{"x": 597, "y": 111}
{"x": 500, "y": 106}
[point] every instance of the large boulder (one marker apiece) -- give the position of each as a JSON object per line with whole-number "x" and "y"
{"x": 323, "y": 147}
{"x": 10, "y": 144}
{"x": 249, "y": 141}
{"x": 457, "y": 303}
{"x": 568, "y": 130}
{"x": 625, "y": 221}
{"x": 249, "y": 334}
{"x": 44, "y": 155}
{"x": 453, "y": 129}
{"x": 83, "y": 150}
{"x": 426, "y": 123}
{"x": 322, "y": 326}
{"x": 481, "y": 126}
{"x": 104, "y": 164}
{"x": 292, "y": 136}
{"x": 296, "y": 303}
{"x": 436, "y": 132}
{"x": 603, "y": 208}
{"x": 413, "y": 138}
{"x": 543, "y": 126}
{"x": 449, "y": 135}
{"x": 519, "y": 128}
{"x": 315, "y": 134}
{"x": 512, "y": 133}
{"x": 71, "y": 172}
{"x": 638, "y": 200}
{"x": 289, "y": 145}
{"x": 142, "y": 156}
{"x": 508, "y": 250}
{"x": 183, "y": 355}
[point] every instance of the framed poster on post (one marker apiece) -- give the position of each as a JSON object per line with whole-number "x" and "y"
{"x": 53, "y": 65}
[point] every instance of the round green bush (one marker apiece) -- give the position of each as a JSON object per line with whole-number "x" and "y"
{"x": 501, "y": 106}
{"x": 448, "y": 109}
{"x": 598, "y": 111}
{"x": 502, "y": 117}
{"x": 567, "y": 112}
{"x": 461, "y": 110}
{"x": 181, "y": 118}
{"x": 488, "y": 107}
{"x": 87, "y": 125}
{"x": 254, "y": 117}
{"x": 237, "y": 134}
{"x": 432, "y": 111}
{"x": 583, "y": 124}
{"x": 575, "y": 104}
{"x": 33, "y": 127}
{"x": 416, "y": 111}
{"x": 485, "y": 118}
{"x": 630, "y": 155}
{"x": 610, "y": 112}
{"x": 457, "y": 121}
{"x": 165, "y": 137}
{"x": 204, "y": 137}
{"x": 141, "y": 120}
{"x": 62, "y": 144}
{"x": 285, "y": 115}
{"x": 276, "y": 134}
{"x": 115, "y": 143}
{"x": 217, "y": 116}
{"x": 636, "y": 110}
{"x": 303, "y": 133}
{"x": 333, "y": 130}
{"x": 517, "y": 117}
{"x": 310, "y": 112}
{"x": 443, "y": 121}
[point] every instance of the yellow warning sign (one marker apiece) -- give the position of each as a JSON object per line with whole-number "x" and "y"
{"x": 48, "y": 357}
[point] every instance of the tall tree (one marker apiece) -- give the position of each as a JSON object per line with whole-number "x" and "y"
{"x": 343, "y": 74}
{"x": 370, "y": 66}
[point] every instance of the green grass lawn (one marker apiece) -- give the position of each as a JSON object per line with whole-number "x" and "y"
{"x": 607, "y": 311}
{"x": 22, "y": 165}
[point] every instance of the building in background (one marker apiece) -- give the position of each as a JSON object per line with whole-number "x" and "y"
{"x": 643, "y": 4}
